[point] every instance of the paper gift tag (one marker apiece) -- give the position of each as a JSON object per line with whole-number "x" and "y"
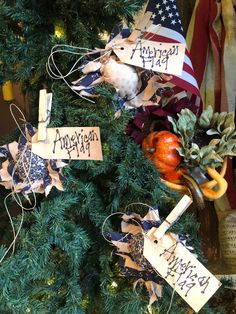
{"x": 183, "y": 272}
{"x": 69, "y": 143}
{"x": 152, "y": 55}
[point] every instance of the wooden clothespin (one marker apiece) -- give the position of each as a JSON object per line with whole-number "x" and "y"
{"x": 141, "y": 26}
{"x": 183, "y": 204}
{"x": 45, "y": 104}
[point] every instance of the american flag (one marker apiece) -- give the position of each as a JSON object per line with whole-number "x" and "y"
{"x": 166, "y": 27}
{"x": 213, "y": 26}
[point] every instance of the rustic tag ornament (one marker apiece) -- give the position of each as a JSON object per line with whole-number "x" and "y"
{"x": 69, "y": 143}
{"x": 172, "y": 260}
{"x": 152, "y": 55}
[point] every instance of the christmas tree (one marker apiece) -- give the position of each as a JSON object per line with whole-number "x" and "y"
{"x": 61, "y": 262}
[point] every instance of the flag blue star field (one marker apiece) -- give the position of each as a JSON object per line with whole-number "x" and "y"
{"x": 165, "y": 15}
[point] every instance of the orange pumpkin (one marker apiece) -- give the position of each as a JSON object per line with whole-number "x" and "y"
{"x": 160, "y": 147}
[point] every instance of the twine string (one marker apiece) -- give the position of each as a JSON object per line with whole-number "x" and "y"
{"x": 51, "y": 62}
{"x": 171, "y": 301}
{"x": 26, "y": 174}
{"x": 15, "y": 234}
{"x": 15, "y": 120}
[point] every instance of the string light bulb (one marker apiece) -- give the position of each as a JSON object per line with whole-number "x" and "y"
{"x": 59, "y": 30}
{"x": 114, "y": 284}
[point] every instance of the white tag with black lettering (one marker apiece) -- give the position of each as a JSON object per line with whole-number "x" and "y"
{"x": 152, "y": 55}
{"x": 69, "y": 143}
{"x": 183, "y": 272}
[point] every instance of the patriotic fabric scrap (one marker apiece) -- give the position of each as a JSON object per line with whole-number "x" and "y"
{"x": 26, "y": 172}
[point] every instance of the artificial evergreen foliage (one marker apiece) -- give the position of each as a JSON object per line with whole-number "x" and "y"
{"x": 62, "y": 263}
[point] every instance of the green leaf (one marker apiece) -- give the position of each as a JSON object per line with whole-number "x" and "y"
{"x": 205, "y": 118}
{"x": 174, "y": 124}
{"x": 195, "y": 146}
{"x": 227, "y": 131}
{"x": 229, "y": 153}
{"x": 194, "y": 151}
{"x": 214, "y": 119}
{"x": 194, "y": 155}
{"x": 205, "y": 150}
{"x": 181, "y": 151}
{"x": 213, "y": 156}
{"x": 214, "y": 142}
{"x": 212, "y": 132}
{"x": 186, "y": 124}
{"x": 229, "y": 121}
{"x": 221, "y": 121}
{"x": 231, "y": 142}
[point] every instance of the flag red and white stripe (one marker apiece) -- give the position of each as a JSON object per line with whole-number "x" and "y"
{"x": 166, "y": 21}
